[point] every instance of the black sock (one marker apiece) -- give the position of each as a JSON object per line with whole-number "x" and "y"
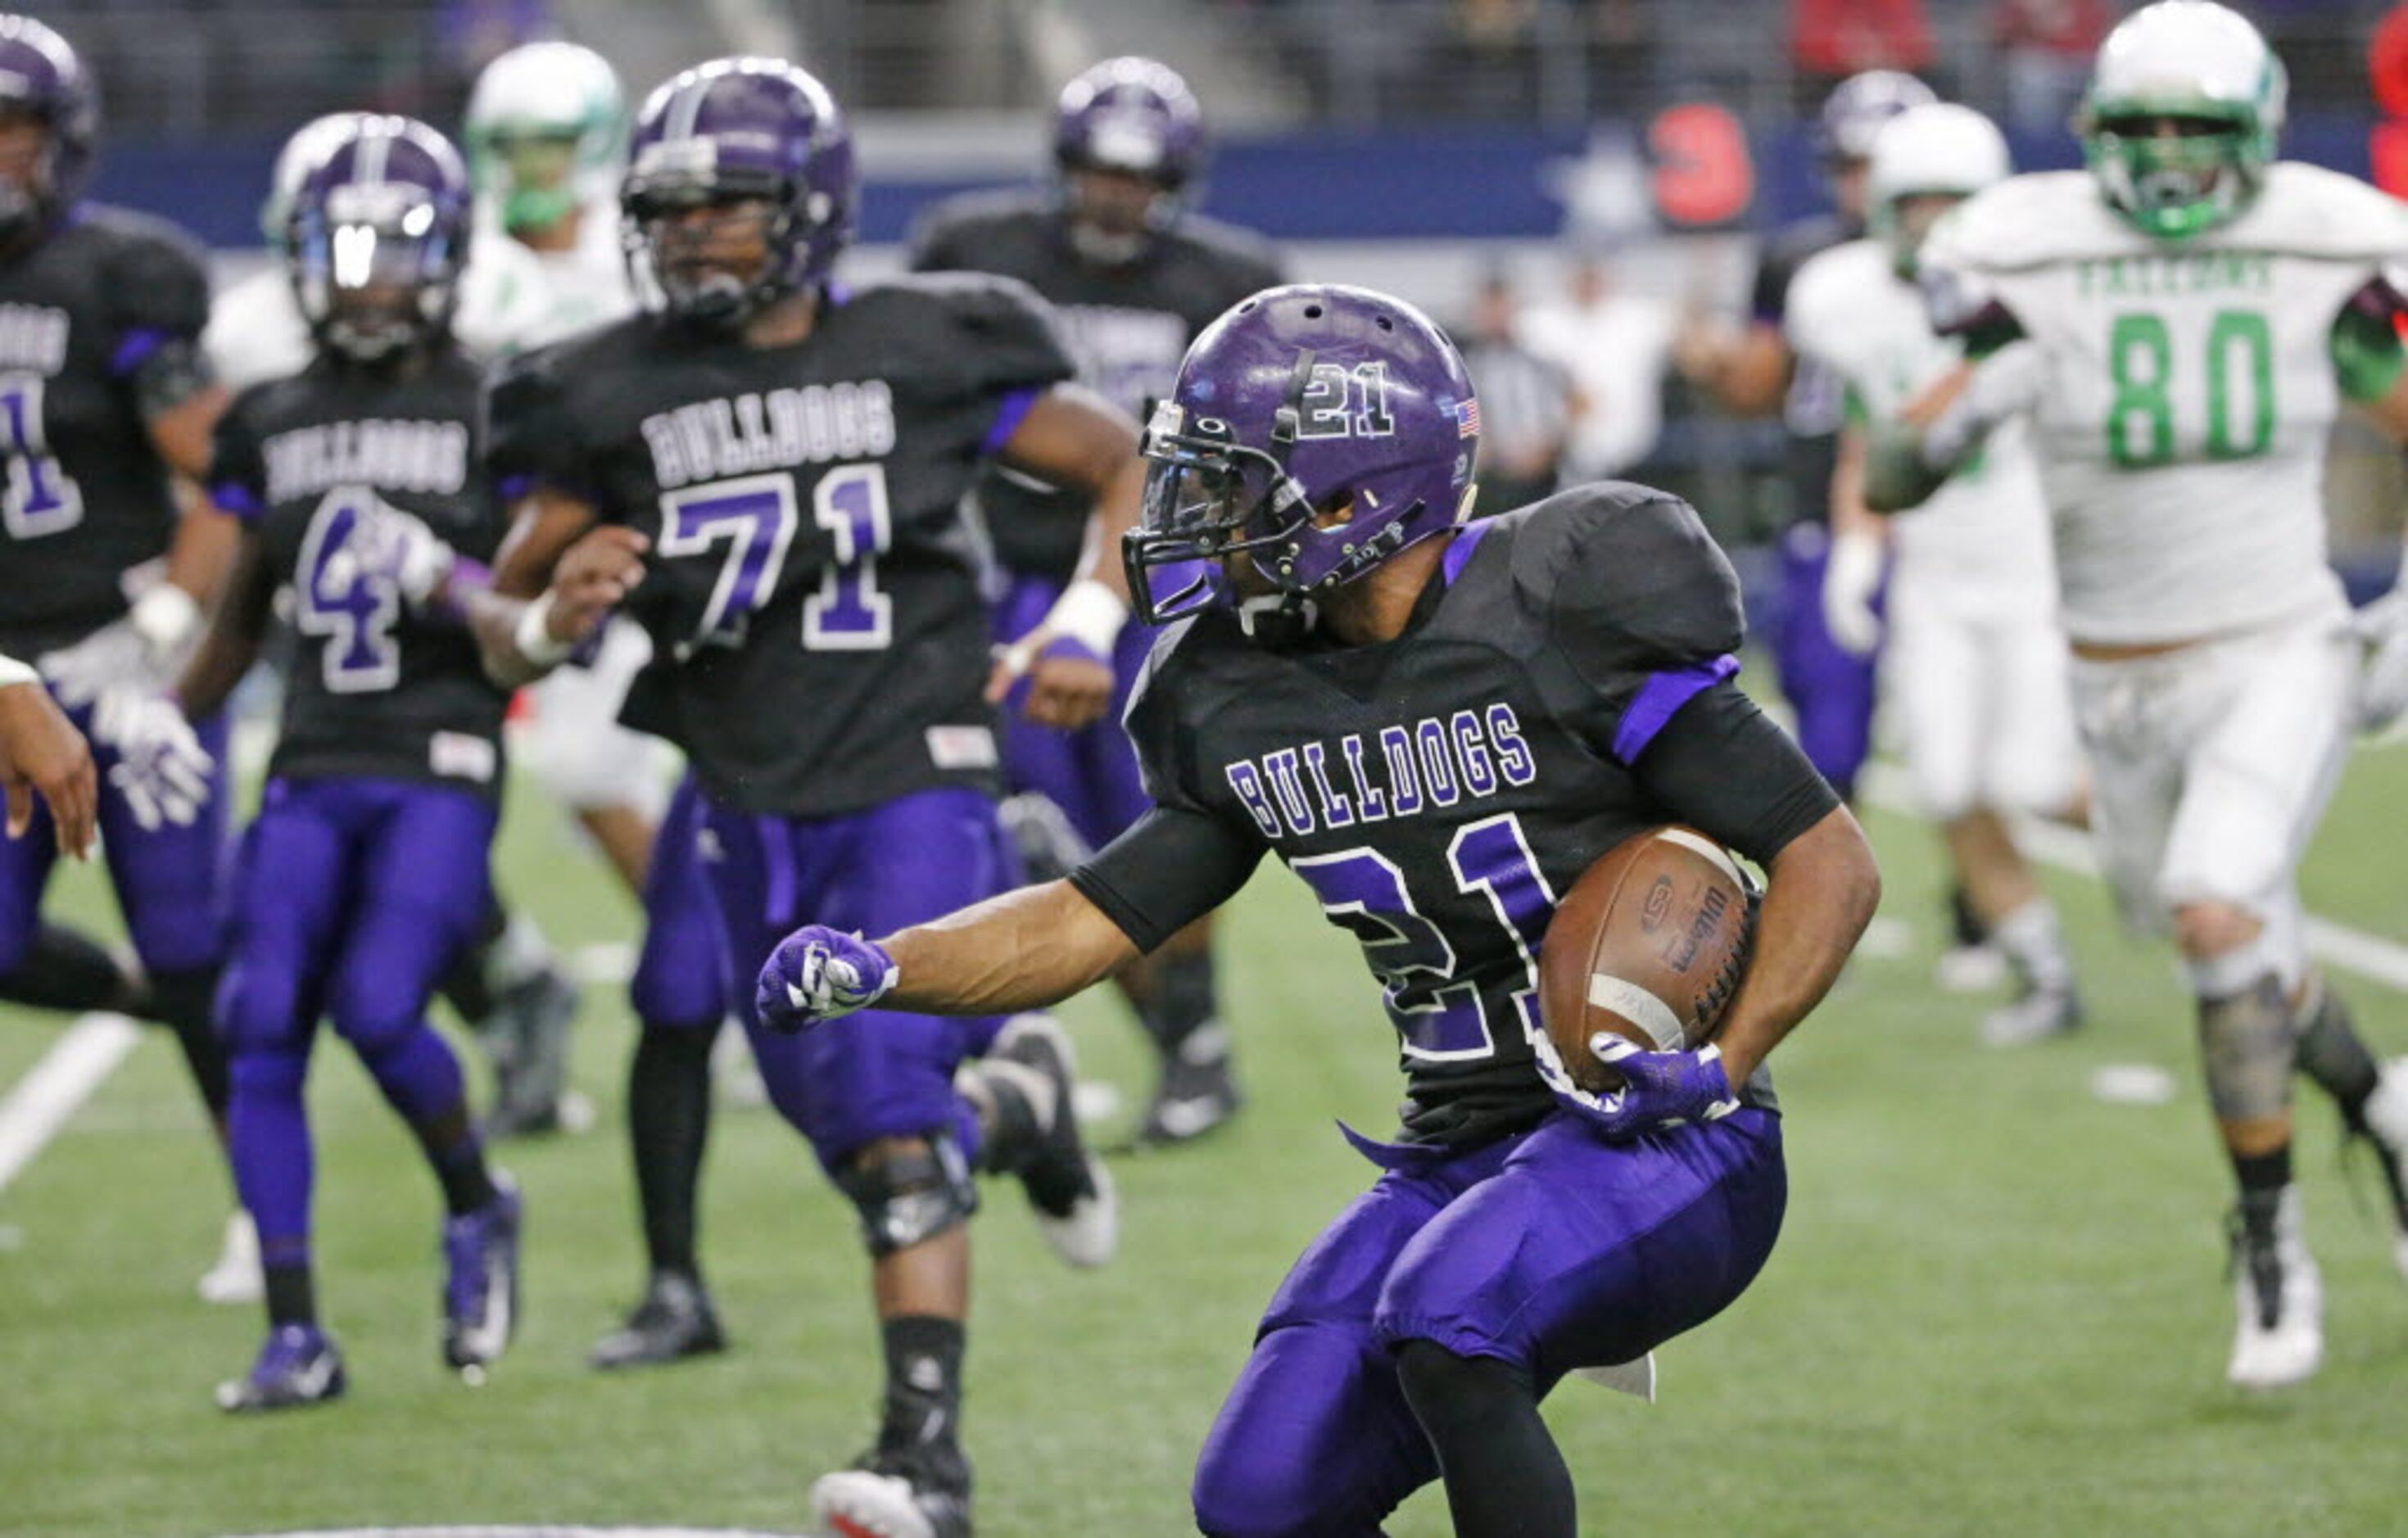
{"x": 1181, "y": 999}
{"x": 467, "y": 987}
{"x": 669, "y": 1121}
{"x": 459, "y": 1159}
{"x": 291, "y": 1296}
{"x": 1505, "y": 1478}
{"x": 1012, "y": 1130}
{"x": 2334, "y": 1058}
{"x": 2263, "y": 1176}
{"x": 185, "y": 1002}
{"x": 923, "y": 1383}
{"x": 67, "y": 970}
{"x": 1965, "y": 925}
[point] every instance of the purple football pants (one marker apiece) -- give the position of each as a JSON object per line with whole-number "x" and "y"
{"x": 1829, "y": 691}
{"x": 877, "y": 1073}
{"x": 1090, "y": 773}
{"x": 680, "y": 982}
{"x": 354, "y": 896}
{"x": 1552, "y": 1249}
{"x": 166, "y": 879}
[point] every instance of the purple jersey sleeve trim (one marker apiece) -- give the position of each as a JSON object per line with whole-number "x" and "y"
{"x": 134, "y": 347}
{"x": 509, "y": 488}
{"x": 1660, "y": 698}
{"x": 1458, "y": 549}
{"x": 1008, "y": 419}
{"x": 235, "y": 497}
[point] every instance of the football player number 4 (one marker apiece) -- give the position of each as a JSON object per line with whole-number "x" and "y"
{"x": 347, "y": 601}
{"x": 1438, "y": 1016}
{"x": 2143, "y": 361}
{"x": 40, "y": 499}
{"x": 748, "y": 522}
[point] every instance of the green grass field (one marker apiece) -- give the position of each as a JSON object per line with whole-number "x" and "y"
{"x": 1998, "y": 1307}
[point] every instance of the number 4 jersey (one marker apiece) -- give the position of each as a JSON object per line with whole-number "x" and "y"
{"x": 812, "y": 587}
{"x": 310, "y": 465}
{"x": 1439, "y": 792}
{"x": 2186, "y": 389}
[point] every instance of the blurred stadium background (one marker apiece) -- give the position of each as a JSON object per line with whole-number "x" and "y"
{"x": 1996, "y": 1311}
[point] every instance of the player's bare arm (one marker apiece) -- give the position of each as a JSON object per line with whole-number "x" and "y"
{"x": 1024, "y": 950}
{"x": 1074, "y": 438}
{"x": 1822, "y": 890}
{"x": 546, "y": 522}
{"x": 236, "y": 629}
{"x": 41, "y": 754}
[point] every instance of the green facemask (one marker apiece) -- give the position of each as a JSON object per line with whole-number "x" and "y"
{"x": 2176, "y": 186}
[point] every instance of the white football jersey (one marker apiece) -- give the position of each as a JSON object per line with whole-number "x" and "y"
{"x": 574, "y": 289}
{"x": 1983, "y": 534}
{"x": 2186, "y": 390}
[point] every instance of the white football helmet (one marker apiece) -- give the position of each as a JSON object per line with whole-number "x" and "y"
{"x": 2200, "y": 65}
{"x": 1940, "y": 150}
{"x": 547, "y": 133}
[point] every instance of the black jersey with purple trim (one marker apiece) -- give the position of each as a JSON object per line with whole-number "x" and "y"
{"x": 86, "y": 494}
{"x": 812, "y": 587}
{"x": 1439, "y": 792}
{"x": 1128, "y": 326}
{"x": 308, "y": 464}
{"x": 1815, "y": 404}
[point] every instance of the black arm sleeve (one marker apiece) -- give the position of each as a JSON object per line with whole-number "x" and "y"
{"x": 1721, "y": 765}
{"x": 1171, "y": 867}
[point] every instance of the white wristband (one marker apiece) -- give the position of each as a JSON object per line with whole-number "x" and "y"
{"x": 14, "y": 672}
{"x": 166, "y": 617}
{"x": 1089, "y": 613}
{"x": 534, "y": 637}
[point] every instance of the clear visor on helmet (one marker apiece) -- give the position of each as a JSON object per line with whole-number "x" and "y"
{"x": 373, "y": 267}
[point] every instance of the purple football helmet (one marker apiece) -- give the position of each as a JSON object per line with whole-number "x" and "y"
{"x": 41, "y": 76}
{"x": 376, "y": 237}
{"x": 1315, "y": 431}
{"x": 1130, "y": 115}
{"x": 1858, "y": 107}
{"x": 731, "y": 130}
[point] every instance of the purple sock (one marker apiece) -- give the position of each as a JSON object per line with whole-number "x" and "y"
{"x": 268, "y": 1140}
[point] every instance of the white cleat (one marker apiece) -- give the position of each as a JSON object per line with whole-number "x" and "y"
{"x": 1971, "y": 968}
{"x": 2032, "y": 1019}
{"x": 2386, "y": 1120}
{"x": 2279, "y": 1298}
{"x": 860, "y": 1503}
{"x": 236, "y": 1277}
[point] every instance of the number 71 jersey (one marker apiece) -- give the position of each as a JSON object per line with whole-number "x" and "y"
{"x": 812, "y": 588}
{"x": 2186, "y": 390}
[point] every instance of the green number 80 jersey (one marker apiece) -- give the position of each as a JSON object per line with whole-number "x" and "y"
{"x": 2186, "y": 389}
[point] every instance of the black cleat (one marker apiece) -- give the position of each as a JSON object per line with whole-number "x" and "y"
{"x": 1196, "y": 1094}
{"x": 673, "y": 1322}
{"x": 918, "y": 1492}
{"x": 527, "y": 1038}
{"x": 1068, "y": 1187}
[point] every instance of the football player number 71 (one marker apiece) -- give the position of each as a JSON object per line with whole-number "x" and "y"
{"x": 750, "y": 522}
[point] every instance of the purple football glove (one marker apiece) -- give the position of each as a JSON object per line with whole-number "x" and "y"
{"x": 818, "y": 973}
{"x": 1658, "y": 1089}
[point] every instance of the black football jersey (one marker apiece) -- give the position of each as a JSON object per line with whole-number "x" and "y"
{"x": 308, "y": 463}
{"x": 87, "y": 494}
{"x": 812, "y": 588}
{"x": 1127, "y": 329}
{"x": 1815, "y": 408}
{"x": 1439, "y": 792}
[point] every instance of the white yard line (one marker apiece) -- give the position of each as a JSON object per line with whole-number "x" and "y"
{"x": 45, "y": 1099}
{"x": 2370, "y": 957}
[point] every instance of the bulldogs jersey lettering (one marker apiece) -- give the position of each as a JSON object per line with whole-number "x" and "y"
{"x": 419, "y": 456}
{"x": 813, "y": 590}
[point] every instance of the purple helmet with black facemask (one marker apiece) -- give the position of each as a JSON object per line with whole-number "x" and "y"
{"x": 376, "y": 237}
{"x": 42, "y": 77}
{"x": 1132, "y": 115}
{"x": 1315, "y": 431}
{"x": 730, "y": 131}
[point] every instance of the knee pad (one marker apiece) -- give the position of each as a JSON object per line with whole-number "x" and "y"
{"x": 909, "y": 1196}
{"x": 2247, "y": 1043}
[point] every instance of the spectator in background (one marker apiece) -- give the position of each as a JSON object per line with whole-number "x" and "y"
{"x": 2047, "y": 47}
{"x": 1616, "y": 348}
{"x": 2387, "y": 69}
{"x": 1832, "y": 39}
{"x": 1528, "y": 403}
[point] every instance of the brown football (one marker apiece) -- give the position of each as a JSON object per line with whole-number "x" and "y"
{"x": 1650, "y": 944}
